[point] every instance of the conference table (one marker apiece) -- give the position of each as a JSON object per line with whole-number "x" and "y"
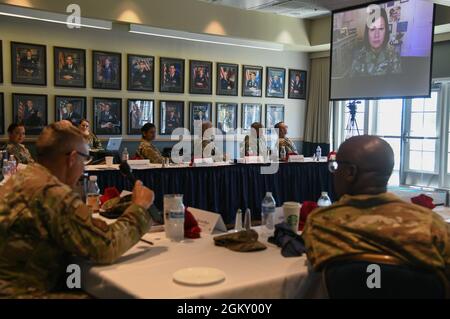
{"x": 146, "y": 271}
{"x": 225, "y": 187}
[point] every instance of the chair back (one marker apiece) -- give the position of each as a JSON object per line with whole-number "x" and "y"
{"x": 348, "y": 277}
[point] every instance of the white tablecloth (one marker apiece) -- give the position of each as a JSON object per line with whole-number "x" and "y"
{"x": 146, "y": 271}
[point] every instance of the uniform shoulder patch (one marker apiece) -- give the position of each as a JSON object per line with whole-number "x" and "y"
{"x": 100, "y": 224}
{"x": 82, "y": 212}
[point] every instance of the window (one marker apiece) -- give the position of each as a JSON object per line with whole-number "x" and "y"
{"x": 388, "y": 125}
{"x": 422, "y": 140}
{"x": 418, "y": 131}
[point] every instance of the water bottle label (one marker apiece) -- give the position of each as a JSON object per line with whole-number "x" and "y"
{"x": 268, "y": 210}
{"x": 176, "y": 215}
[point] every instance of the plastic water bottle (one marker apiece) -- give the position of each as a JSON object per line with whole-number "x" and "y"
{"x": 93, "y": 194}
{"x": 324, "y": 200}
{"x": 5, "y": 169}
{"x": 318, "y": 153}
{"x": 12, "y": 165}
{"x": 283, "y": 153}
{"x": 175, "y": 220}
{"x": 268, "y": 215}
{"x": 125, "y": 155}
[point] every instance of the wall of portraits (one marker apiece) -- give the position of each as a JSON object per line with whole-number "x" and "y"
{"x": 49, "y": 73}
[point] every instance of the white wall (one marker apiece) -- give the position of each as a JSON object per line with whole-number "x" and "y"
{"x": 119, "y": 40}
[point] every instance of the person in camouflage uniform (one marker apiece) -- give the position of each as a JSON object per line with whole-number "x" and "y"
{"x": 376, "y": 57}
{"x": 146, "y": 149}
{"x": 90, "y": 138}
{"x": 208, "y": 147}
{"x": 15, "y": 147}
{"x": 367, "y": 219}
{"x": 283, "y": 140}
{"x": 254, "y": 144}
{"x": 43, "y": 221}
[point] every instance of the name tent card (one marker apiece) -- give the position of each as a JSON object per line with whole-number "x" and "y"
{"x": 208, "y": 221}
{"x": 296, "y": 158}
{"x": 199, "y": 162}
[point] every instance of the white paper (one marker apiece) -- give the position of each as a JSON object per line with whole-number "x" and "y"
{"x": 296, "y": 158}
{"x": 208, "y": 221}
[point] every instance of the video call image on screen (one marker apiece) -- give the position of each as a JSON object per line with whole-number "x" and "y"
{"x": 382, "y": 50}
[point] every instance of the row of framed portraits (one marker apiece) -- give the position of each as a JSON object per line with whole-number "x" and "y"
{"x": 31, "y": 110}
{"x": 28, "y": 66}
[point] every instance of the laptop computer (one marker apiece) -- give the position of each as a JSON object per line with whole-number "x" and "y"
{"x": 114, "y": 144}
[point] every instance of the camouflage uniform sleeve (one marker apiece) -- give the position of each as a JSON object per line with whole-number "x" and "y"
{"x": 396, "y": 63}
{"x": 307, "y": 237}
{"x": 21, "y": 154}
{"x": 73, "y": 227}
{"x": 152, "y": 154}
{"x": 441, "y": 237}
{"x": 96, "y": 142}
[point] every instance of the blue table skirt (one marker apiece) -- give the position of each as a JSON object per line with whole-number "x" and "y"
{"x": 224, "y": 189}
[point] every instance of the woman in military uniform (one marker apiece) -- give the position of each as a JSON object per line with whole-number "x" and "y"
{"x": 377, "y": 56}
{"x": 15, "y": 147}
{"x": 91, "y": 139}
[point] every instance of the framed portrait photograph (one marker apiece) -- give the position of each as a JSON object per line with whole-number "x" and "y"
{"x": 31, "y": 111}
{"x": 141, "y": 73}
{"x": 171, "y": 116}
{"x": 200, "y": 77}
{"x": 275, "y": 82}
{"x": 139, "y": 113}
{"x": 71, "y": 108}
{"x": 28, "y": 63}
{"x": 69, "y": 67}
{"x": 106, "y": 70}
{"x": 297, "y": 84}
{"x": 227, "y": 79}
{"x": 200, "y": 112}
{"x": 107, "y": 116}
{"x": 171, "y": 75}
{"x": 274, "y": 114}
{"x": 251, "y": 113}
{"x": 1, "y": 61}
{"x": 252, "y": 77}
{"x": 2, "y": 114}
{"x": 226, "y": 117}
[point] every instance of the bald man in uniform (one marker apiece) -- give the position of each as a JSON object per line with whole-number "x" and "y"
{"x": 43, "y": 221}
{"x": 368, "y": 219}
{"x": 283, "y": 140}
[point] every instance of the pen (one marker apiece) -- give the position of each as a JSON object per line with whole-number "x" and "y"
{"x": 146, "y": 241}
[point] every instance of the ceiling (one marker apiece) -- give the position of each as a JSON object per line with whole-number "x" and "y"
{"x": 296, "y": 8}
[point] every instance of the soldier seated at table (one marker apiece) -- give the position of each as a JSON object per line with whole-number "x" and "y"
{"x": 146, "y": 149}
{"x": 283, "y": 140}
{"x": 90, "y": 138}
{"x": 254, "y": 144}
{"x": 43, "y": 221}
{"x": 208, "y": 147}
{"x": 16, "y": 136}
{"x": 368, "y": 219}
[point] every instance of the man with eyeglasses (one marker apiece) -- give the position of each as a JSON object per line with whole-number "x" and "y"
{"x": 368, "y": 219}
{"x": 43, "y": 221}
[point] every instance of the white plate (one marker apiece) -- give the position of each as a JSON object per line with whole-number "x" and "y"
{"x": 198, "y": 276}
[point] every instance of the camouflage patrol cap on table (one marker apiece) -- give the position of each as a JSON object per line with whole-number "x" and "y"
{"x": 243, "y": 241}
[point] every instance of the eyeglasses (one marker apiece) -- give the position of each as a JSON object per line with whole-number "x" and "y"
{"x": 87, "y": 157}
{"x": 333, "y": 165}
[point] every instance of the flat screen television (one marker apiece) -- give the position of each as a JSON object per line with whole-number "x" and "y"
{"x": 382, "y": 50}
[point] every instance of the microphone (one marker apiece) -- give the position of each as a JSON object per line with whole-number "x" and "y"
{"x": 154, "y": 212}
{"x": 125, "y": 170}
